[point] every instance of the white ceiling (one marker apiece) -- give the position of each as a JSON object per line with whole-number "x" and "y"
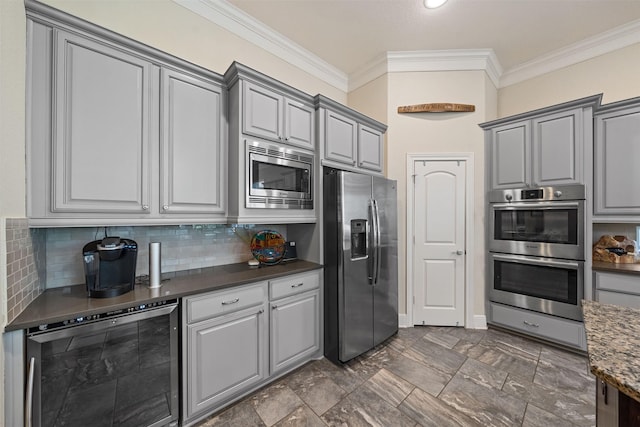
{"x": 349, "y": 34}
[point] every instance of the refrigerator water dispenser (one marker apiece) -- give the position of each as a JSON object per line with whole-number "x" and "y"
{"x": 358, "y": 238}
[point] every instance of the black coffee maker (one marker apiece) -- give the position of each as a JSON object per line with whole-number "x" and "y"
{"x": 110, "y": 266}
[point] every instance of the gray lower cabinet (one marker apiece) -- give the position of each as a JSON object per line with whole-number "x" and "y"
{"x": 231, "y": 345}
{"x": 225, "y": 352}
{"x": 617, "y": 153}
{"x": 563, "y": 331}
{"x": 618, "y": 288}
{"x": 119, "y": 133}
{"x": 347, "y": 139}
{"x": 295, "y": 320}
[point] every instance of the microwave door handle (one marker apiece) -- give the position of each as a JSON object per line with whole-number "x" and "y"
{"x": 545, "y": 261}
{"x": 28, "y": 408}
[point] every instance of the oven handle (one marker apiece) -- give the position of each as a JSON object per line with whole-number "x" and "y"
{"x": 574, "y": 265}
{"x": 100, "y": 325}
{"x": 28, "y": 407}
{"x": 537, "y": 205}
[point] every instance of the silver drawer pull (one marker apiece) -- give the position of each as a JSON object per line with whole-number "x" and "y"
{"x": 530, "y": 324}
{"x": 233, "y": 301}
{"x": 297, "y": 286}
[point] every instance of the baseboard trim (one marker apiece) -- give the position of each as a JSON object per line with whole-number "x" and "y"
{"x": 479, "y": 321}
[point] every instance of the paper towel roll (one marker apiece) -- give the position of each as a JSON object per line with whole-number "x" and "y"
{"x": 154, "y": 264}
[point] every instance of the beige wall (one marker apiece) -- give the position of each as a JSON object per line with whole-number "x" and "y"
{"x": 616, "y": 75}
{"x": 433, "y": 133}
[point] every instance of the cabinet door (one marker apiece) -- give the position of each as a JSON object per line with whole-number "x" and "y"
{"x": 340, "y": 138}
{"x": 102, "y": 126}
{"x": 262, "y": 112}
{"x": 617, "y": 154}
{"x": 558, "y": 149}
{"x": 225, "y": 356}
{"x": 298, "y": 122}
{"x": 295, "y": 329}
{"x": 370, "y": 146}
{"x": 510, "y": 148}
{"x": 191, "y": 147}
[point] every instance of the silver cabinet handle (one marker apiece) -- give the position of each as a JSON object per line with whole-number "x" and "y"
{"x": 458, "y": 252}
{"x": 28, "y": 408}
{"x": 273, "y": 307}
{"x": 531, "y": 324}
{"x": 165, "y": 207}
{"x": 297, "y": 286}
{"x": 145, "y": 207}
{"x": 233, "y": 301}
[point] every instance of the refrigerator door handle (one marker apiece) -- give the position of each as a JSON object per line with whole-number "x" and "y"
{"x": 371, "y": 236}
{"x": 377, "y": 248}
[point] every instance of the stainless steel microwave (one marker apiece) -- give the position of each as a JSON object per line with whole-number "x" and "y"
{"x": 278, "y": 177}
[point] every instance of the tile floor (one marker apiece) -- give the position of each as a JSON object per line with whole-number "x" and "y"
{"x": 430, "y": 376}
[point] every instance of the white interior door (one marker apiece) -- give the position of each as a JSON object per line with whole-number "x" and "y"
{"x": 439, "y": 247}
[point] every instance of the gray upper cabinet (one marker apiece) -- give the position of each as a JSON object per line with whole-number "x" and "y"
{"x": 191, "y": 152}
{"x": 510, "y": 149}
{"x": 102, "y": 128}
{"x": 270, "y": 115}
{"x": 347, "y": 139}
{"x": 119, "y": 133}
{"x": 557, "y": 149}
{"x": 546, "y": 147}
{"x": 617, "y": 154}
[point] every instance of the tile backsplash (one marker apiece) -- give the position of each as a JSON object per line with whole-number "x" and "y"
{"x": 184, "y": 247}
{"x": 26, "y": 267}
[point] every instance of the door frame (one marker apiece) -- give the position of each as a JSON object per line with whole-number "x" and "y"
{"x": 468, "y": 158}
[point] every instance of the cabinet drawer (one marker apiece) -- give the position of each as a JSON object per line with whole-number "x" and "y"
{"x": 618, "y": 298}
{"x": 556, "y": 329}
{"x": 292, "y": 285}
{"x": 221, "y": 302}
{"x": 628, "y": 283}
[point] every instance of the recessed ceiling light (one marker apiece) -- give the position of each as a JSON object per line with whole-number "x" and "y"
{"x": 432, "y": 4}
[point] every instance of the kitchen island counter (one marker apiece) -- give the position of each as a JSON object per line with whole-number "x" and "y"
{"x": 616, "y": 268}
{"x": 60, "y": 304}
{"x": 613, "y": 345}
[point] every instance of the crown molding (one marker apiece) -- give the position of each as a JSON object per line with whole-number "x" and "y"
{"x": 428, "y": 60}
{"x": 609, "y": 41}
{"x": 234, "y": 20}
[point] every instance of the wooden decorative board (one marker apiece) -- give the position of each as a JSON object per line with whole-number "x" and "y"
{"x": 437, "y": 108}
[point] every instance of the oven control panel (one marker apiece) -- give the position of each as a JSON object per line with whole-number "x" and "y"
{"x": 536, "y": 194}
{"x": 100, "y": 316}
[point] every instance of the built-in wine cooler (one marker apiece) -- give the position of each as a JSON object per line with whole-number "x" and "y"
{"x": 116, "y": 368}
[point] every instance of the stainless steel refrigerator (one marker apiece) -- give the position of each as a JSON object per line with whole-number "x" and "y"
{"x": 361, "y": 263}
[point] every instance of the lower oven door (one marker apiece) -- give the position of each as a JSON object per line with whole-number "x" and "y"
{"x": 545, "y": 285}
{"x": 119, "y": 371}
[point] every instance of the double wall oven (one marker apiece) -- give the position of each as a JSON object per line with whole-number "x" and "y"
{"x": 536, "y": 244}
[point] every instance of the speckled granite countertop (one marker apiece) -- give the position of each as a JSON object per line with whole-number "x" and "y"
{"x": 613, "y": 344}
{"x": 55, "y": 305}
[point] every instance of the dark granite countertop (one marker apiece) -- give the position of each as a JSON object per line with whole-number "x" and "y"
{"x": 615, "y": 267}
{"x": 613, "y": 345}
{"x": 68, "y": 302}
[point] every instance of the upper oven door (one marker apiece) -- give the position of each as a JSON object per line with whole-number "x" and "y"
{"x": 275, "y": 177}
{"x": 549, "y": 229}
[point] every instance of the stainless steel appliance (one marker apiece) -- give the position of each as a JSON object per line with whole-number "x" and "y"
{"x": 113, "y": 368}
{"x": 278, "y": 177}
{"x": 547, "y": 285}
{"x": 110, "y": 266}
{"x": 546, "y": 221}
{"x": 361, "y": 263}
{"x": 537, "y": 250}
